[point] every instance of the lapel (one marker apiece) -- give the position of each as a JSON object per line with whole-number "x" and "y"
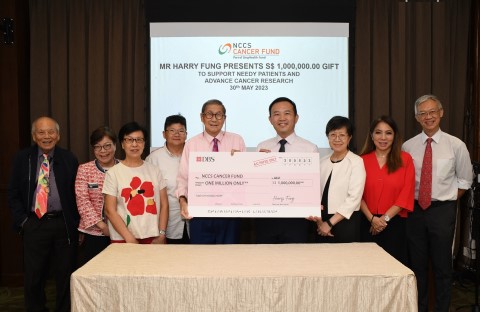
{"x": 33, "y": 166}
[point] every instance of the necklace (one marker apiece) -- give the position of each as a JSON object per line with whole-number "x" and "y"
{"x": 339, "y": 158}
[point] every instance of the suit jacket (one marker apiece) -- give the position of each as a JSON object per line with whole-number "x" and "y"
{"x": 22, "y": 184}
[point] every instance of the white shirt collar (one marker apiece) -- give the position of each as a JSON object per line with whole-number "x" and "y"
{"x": 435, "y": 137}
{"x": 290, "y": 139}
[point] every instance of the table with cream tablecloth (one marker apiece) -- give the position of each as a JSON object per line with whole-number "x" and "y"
{"x": 285, "y": 277}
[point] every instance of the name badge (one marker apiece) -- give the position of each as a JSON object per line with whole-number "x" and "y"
{"x": 92, "y": 185}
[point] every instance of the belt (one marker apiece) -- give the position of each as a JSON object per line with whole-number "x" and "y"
{"x": 436, "y": 203}
{"x": 51, "y": 215}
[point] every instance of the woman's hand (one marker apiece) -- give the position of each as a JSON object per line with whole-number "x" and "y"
{"x": 373, "y": 231}
{"x": 161, "y": 239}
{"x": 104, "y": 228}
{"x": 131, "y": 240}
{"x": 324, "y": 229}
{"x": 378, "y": 225}
{"x": 81, "y": 238}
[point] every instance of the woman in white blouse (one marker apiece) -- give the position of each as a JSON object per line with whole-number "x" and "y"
{"x": 342, "y": 179}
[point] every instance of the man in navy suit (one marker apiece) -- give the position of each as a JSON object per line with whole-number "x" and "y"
{"x": 50, "y": 239}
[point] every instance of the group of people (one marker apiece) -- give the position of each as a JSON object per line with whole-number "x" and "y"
{"x": 400, "y": 195}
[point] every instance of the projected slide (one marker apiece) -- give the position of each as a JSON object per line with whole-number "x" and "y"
{"x": 247, "y": 66}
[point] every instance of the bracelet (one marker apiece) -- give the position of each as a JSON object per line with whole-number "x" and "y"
{"x": 371, "y": 220}
{"x": 329, "y": 223}
{"x": 183, "y": 196}
{"x": 162, "y": 232}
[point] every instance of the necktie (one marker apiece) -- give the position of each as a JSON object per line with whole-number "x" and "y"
{"x": 425, "y": 190}
{"x": 282, "y": 145}
{"x": 41, "y": 200}
{"x": 215, "y": 145}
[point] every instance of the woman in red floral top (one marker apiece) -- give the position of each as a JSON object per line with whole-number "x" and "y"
{"x": 136, "y": 200}
{"x": 88, "y": 190}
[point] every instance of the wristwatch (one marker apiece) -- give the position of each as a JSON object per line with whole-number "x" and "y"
{"x": 329, "y": 223}
{"x": 162, "y": 232}
{"x": 386, "y": 217}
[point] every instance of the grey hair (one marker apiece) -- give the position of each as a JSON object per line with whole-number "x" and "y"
{"x": 427, "y": 97}
{"x": 57, "y": 126}
{"x": 214, "y": 102}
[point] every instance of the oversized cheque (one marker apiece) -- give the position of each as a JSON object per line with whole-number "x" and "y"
{"x": 254, "y": 184}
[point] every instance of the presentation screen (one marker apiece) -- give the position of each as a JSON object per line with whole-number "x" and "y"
{"x": 247, "y": 66}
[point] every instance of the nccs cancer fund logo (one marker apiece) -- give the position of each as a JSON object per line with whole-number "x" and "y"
{"x": 225, "y": 48}
{"x": 246, "y": 49}
{"x": 204, "y": 159}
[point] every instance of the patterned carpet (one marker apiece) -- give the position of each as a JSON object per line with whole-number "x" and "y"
{"x": 11, "y": 298}
{"x": 463, "y": 293}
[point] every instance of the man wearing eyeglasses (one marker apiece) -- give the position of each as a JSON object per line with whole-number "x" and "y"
{"x": 212, "y": 139}
{"x": 443, "y": 171}
{"x": 167, "y": 158}
{"x": 41, "y": 196}
{"x": 283, "y": 117}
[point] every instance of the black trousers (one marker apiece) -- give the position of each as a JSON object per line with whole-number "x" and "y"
{"x": 48, "y": 245}
{"x": 430, "y": 237}
{"x": 393, "y": 239}
{"x": 92, "y": 246}
{"x": 214, "y": 231}
{"x": 281, "y": 230}
{"x": 345, "y": 231}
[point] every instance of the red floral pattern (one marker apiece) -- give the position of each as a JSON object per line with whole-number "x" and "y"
{"x": 139, "y": 197}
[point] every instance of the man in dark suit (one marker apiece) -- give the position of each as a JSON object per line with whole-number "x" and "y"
{"x": 41, "y": 196}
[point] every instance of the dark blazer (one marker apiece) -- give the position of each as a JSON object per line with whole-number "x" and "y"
{"x": 22, "y": 184}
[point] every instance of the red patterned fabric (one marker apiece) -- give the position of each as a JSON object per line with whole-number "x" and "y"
{"x": 88, "y": 191}
{"x": 41, "y": 199}
{"x": 425, "y": 190}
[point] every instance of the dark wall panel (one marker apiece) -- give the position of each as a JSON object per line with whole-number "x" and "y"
{"x": 14, "y": 125}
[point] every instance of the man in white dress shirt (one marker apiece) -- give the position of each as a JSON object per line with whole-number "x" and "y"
{"x": 430, "y": 227}
{"x": 283, "y": 117}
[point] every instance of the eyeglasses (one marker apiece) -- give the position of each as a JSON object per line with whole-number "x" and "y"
{"x": 44, "y": 133}
{"x": 210, "y": 115}
{"x": 341, "y": 136}
{"x": 175, "y": 131}
{"x": 432, "y": 113}
{"x": 106, "y": 147}
{"x": 130, "y": 140}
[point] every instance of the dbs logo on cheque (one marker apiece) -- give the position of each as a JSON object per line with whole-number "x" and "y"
{"x": 205, "y": 159}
